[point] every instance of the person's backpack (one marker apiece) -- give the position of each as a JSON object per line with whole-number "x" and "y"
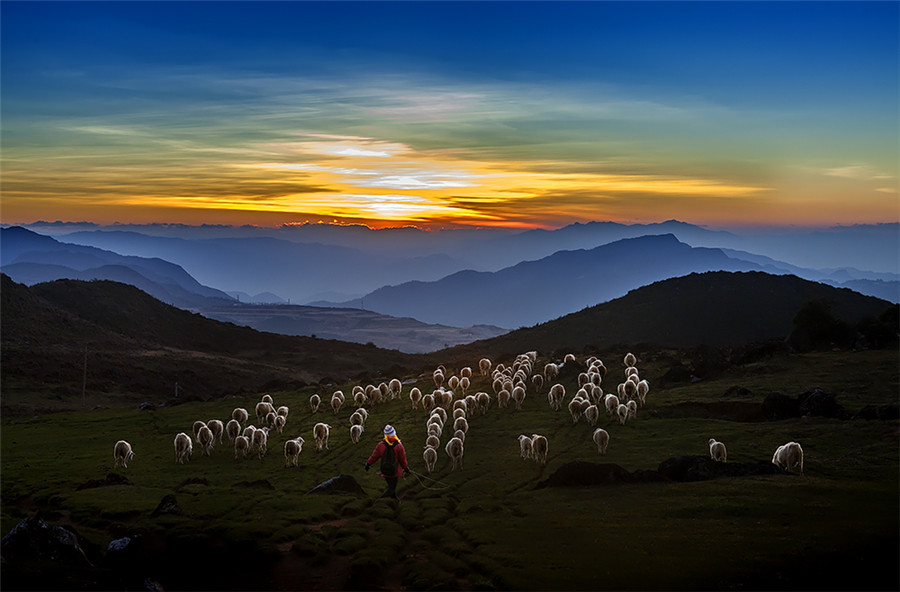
{"x": 389, "y": 460}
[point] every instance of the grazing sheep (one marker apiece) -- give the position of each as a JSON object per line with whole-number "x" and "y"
{"x": 314, "y": 402}
{"x": 217, "y": 428}
{"x": 455, "y": 450}
{"x": 539, "y": 447}
{"x": 601, "y": 439}
{"x": 435, "y": 429}
{"x": 283, "y": 411}
{"x": 280, "y": 420}
{"x": 466, "y": 372}
{"x": 460, "y": 423}
{"x": 429, "y": 455}
{"x": 551, "y": 371}
{"x": 356, "y": 431}
{"x": 260, "y": 442}
{"x": 526, "y": 448}
{"x": 484, "y": 366}
{"x": 263, "y": 408}
{"x": 240, "y": 415}
{"x": 453, "y": 382}
{"x": 459, "y": 412}
{"x": 622, "y": 413}
{"x": 365, "y": 414}
{"x": 717, "y": 450}
{"x": 538, "y": 381}
{"x": 320, "y": 433}
{"x": 396, "y": 387}
{"x": 483, "y": 400}
{"x": 630, "y": 360}
{"x": 241, "y": 446}
{"x": 438, "y": 377}
{"x": 555, "y": 396}
{"x": 267, "y": 398}
{"x": 337, "y": 401}
{"x": 592, "y": 414}
{"x": 292, "y": 449}
{"x": 248, "y": 432}
{"x": 359, "y": 398}
{"x": 575, "y": 409}
{"x": 233, "y": 429}
{"x": 460, "y": 434}
{"x": 789, "y": 457}
{"x": 270, "y": 419}
{"x": 464, "y": 384}
{"x": 440, "y": 412}
{"x": 415, "y": 395}
{"x": 612, "y": 403}
{"x": 503, "y": 399}
{"x": 356, "y": 418}
{"x": 122, "y": 453}
{"x": 184, "y": 448}
{"x": 206, "y": 440}
{"x": 518, "y": 395}
{"x": 433, "y": 440}
{"x": 428, "y": 402}
{"x": 632, "y": 408}
{"x": 197, "y": 426}
{"x": 643, "y": 387}
{"x": 385, "y": 391}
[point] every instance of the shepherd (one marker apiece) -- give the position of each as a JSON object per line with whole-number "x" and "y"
{"x": 393, "y": 460}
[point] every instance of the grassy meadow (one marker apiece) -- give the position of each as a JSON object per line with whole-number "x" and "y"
{"x": 252, "y": 524}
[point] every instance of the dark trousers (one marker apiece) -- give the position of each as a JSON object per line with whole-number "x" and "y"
{"x": 391, "y": 490}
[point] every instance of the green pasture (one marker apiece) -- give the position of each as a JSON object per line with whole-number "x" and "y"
{"x": 488, "y": 526}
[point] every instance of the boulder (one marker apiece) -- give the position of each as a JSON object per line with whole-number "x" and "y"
{"x": 33, "y": 538}
{"x": 339, "y": 484}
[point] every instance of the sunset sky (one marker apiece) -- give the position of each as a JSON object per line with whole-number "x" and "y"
{"x": 519, "y": 114}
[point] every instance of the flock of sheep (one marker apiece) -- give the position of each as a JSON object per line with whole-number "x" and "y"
{"x": 449, "y": 405}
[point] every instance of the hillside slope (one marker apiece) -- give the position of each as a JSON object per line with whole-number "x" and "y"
{"x": 716, "y": 309}
{"x": 135, "y": 346}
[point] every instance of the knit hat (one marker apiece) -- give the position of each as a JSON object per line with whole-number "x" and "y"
{"x": 389, "y": 430}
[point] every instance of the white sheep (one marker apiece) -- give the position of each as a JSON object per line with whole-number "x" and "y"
{"x": 415, "y": 396}
{"x": 555, "y": 396}
{"x": 280, "y": 420}
{"x": 460, "y": 434}
{"x": 518, "y": 395}
{"x": 248, "y": 432}
{"x": 438, "y": 378}
{"x": 455, "y": 450}
{"x": 592, "y": 414}
{"x": 206, "y": 440}
{"x": 461, "y": 423}
{"x": 270, "y": 419}
{"x": 365, "y": 414}
{"x": 356, "y": 418}
{"x": 260, "y": 441}
{"x": 314, "y": 402}
{"x": 630, "y": 360}
{"x": 356, "y": 431}
{"x": 483, "y": 400}
{"x": 612, "y": 403}
{"x": 622, "y": 412}
{"x": 435, "y": 429}
{"x": 503, "y": 398}
{"x": 396, "y": 387}
{"x": 632, "y": 408}
{"x": 184, "y": 448}
{"x": 484, "y": 366}
{"x": 643, "y": 387}
{"x": 197, "y": 425}
{"x": 601, "y": 439}
{"x": 428, "y": 402}
{"x": 459, "y": 412}
{"x": 717, "y": 450}
{"x": 538, "y": 381}
{"x": 788, "y": 457}
{"x": 433, "y": 440}
{"x": 359, "y": 398}
{"x": 292, "y": 449}
{"x": 540, "y": 447}
{"x": 122, "y": 453}
{"x": 217, "y": 428}
{"x": 267, "y": 398}
{"x": 526, "y": 447}
{"x": 233, "y": 429}
{"x": 320, "y": 434}
{"x": 241, "y": 446}
{"x": 575, "y": 409}
{"x": 337, "y": 401}
{"x": 240, "y": 415}
{"x": 263, "y": 408}
{"x": 283, "y": 411}
{"x": 429, "y": 455}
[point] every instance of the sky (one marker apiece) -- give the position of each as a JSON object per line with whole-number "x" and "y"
{"x": 447, "y": 114}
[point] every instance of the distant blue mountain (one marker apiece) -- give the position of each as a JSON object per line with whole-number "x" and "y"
{"x": 30, "y": 258}
{"x": 538, "y": 291}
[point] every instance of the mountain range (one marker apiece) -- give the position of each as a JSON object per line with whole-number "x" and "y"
{"x": 136, "y": 344}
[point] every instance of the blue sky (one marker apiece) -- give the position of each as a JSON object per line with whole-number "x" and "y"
{"x": 499, "y": 113}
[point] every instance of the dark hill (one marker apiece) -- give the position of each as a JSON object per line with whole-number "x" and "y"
{"x": 716, "y": 309}
{"x": 140, "y": 346}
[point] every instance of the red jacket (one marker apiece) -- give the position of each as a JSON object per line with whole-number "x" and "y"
{"x": 399, "y": 452}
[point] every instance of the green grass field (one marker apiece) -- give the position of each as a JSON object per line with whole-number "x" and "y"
{"x": 251, "y": 524}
